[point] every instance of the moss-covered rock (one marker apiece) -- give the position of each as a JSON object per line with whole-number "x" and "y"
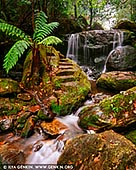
{"x": 8, "y": 86}
{"x": 117, "y": 80}
{"x": 63, "y": 84}
{"x": 116, "y": 112}
{"x": 122, "y": 58}
{"x": 29, "y": 127}
{"x": 11, "y": 154}
{"x": 131, "y": 135}
{"x": 126, "y": 24}
{"x": 107, "y": 150}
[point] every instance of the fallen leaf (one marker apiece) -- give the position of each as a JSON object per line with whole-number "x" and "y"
{"x": 34, "y": 109}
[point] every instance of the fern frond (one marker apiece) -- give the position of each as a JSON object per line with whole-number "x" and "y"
{"x": 42, "y": 29}
{"x": 53, "y": 25}
{"x": 3, "y": 21}
{"x": 40, "y": 34}
{"x": 50, "y": 41}
{"x": 14, "y": 54}
{"x": 13, "y": 31}
{"x": 47, "y": 29}
{"x": 40, "y": 19}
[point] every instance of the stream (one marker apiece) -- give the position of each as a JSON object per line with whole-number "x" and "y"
{"x": 45, "y": 149}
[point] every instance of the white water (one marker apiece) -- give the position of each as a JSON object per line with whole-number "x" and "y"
{"x": 117, "y": 42}
{"x": 73, "y": 45}
{"x": 52, "y": 148}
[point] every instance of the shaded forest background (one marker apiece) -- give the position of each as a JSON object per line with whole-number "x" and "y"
{"x": 73, "y": 15}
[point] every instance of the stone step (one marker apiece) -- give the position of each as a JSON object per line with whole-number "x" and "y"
{"x": 65, "y": 78}
{"x": 65, "y": 63}
{"x": 68, "y": 84}
{"x": 64, "y": 60}
{"x": 65, "y": 72}
{"x": 65, "y": 67}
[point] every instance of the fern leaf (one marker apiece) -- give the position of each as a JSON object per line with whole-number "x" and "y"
{"x": 13, "y": 31}
{"x": 40, "y": 19}
{"x": 50, "y": 41}
{"x": 47, "y": 29}
{"x": 14, "y": 54}
{"x": 42, "y": 29}
{"x": 53, "y": 25}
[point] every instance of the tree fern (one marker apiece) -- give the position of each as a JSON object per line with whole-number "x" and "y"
{"x": 13, "y": 31}
{"x": 14, "y": 54}
{"x": 42, "y": 29}
{"x": 50, "y": 40}
{"x": 41, "y": 32}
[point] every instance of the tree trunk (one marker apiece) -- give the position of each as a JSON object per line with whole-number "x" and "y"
{"x": 91, "y": 13}
{"x": 75, "y": 10}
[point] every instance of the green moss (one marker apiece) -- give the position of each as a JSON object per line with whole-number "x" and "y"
{"x": 118, "y": 103}
{"x": 131, "y": 136}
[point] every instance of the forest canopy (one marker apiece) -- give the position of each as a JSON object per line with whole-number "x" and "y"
{"x": 107, "y": 12}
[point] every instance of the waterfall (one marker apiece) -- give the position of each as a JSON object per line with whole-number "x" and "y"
{"x": 73, "y": 46}
{"x": 118, "y": 39}
{"x": 86, "y": 51}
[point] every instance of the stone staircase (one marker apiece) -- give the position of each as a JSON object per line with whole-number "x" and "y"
{"x": 66, "y": 72}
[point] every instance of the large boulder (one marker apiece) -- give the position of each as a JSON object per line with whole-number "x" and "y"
{"x": 116, "y": 112}
{"x": 126, "y": 24}
{"x": 117, "y": 80}
{"x": 8, "y": 86}
{"x": 64, "y": 85}
{"x": 122, "y": 58}
{"x": 103, "y": 151}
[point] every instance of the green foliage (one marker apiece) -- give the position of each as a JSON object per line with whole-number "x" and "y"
{"x": 14, "y": 54}
{"x": 13, "y": 31}
{"x": 56, "y": 108}
{"x": 41, "y": 31}
{"x": 50, "y": 40}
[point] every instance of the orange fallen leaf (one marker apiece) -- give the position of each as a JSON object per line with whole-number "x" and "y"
{"x": 134, "y": 104}
{"x": 34, "y": 109}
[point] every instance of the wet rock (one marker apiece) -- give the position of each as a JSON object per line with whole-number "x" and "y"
{"x": 29, "y": 127}
{"x": 11, "y": 154}
{"x": 24, "y": 96}
{"x": 23, "y": 117}
{"x": 107, "y": 150}
{"x": 126, "y": 24}
{"x": 117, "y": 80}
{"x": 9, "y": 106}
{"x": 115, "y": 112}
{"x": 53, "y": 128}
{"x": 122, "y": 58}
{"x": 8, "y": 86}
{"x": 131, "y": 135}
{"x": 6, "y": 123}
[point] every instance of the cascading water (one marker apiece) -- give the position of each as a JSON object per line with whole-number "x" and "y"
{"x": 118, "y": 39}
{"x": 90, "y": 49}
{"x": 73, "y": 45}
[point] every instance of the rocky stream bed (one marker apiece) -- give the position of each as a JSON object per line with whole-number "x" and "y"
{"x": 83, "y": 127}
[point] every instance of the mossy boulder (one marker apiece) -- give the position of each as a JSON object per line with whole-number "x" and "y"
{"x": 63, "y": 84}
{"x": 10, "y": 153}
{"x": 107, "y": 150}
{"x": 122, "y": 58}
{"x": 126, "y": 24}
{"x": 8, "y": 86}
{"x": 116, "y": 112}
{"x": 117, "y": 80}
